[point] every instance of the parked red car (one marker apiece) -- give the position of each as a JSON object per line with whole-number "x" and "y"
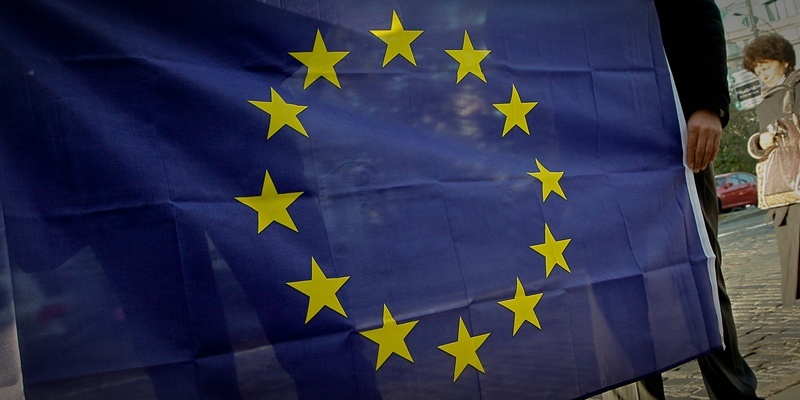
{"x": 736, "y": 189}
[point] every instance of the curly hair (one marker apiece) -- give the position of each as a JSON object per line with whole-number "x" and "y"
{"x": 768, "y": 47}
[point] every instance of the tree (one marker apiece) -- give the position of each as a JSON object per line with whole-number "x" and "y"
{"x": 733, "y": 154}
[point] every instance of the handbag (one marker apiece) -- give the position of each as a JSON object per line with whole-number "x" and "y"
{"x": 778, "y": 168}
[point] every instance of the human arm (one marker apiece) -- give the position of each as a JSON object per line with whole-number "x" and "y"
{"x": 694, "y": 41}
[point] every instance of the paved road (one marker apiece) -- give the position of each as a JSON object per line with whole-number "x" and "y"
{"x": 769, "y": 334}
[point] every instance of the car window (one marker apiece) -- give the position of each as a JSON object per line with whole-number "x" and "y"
{"x": 719, "y": 181}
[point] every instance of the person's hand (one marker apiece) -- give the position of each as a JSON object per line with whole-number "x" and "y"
{"x": 766, "y": 140}
{"x": 705, "y": 134}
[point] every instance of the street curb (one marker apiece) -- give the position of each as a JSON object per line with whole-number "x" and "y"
{"x": 737, "y": 215}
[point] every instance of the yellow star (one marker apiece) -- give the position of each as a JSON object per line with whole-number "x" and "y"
{"x": 281, "y": 113}
{"x": 398, "y": 41}
{"x": 390, "y": 338}
{"x": 320, "y": 62}
{"x": 465, "y": 350}
{"x": 553, "y": 251}
{"x": 549, "y": 181}
{"x": 469, "y": 59}
{"x": 515, "y": 112}
{"x": 523, "y": 307}
{"x": 271, "y": 205}
{"x": 321, "y": 291}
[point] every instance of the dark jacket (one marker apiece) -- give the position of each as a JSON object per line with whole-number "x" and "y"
{"x": 694, "y": 41}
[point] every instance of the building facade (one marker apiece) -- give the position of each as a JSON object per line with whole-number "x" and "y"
{"x": 770, "y": 16}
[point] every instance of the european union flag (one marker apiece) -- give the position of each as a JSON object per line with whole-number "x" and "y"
{"x": 345, "y": 199}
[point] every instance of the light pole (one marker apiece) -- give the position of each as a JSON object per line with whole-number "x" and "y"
{"x": 753, "y": 24}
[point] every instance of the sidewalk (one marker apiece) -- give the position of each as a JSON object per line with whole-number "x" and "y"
{"x": 792, "y": 393}
{"x": 769, "y": 334}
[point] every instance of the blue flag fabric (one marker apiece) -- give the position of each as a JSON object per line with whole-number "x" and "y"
{"x": 345, "y": 199}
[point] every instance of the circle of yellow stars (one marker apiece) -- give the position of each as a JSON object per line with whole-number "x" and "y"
{"x": 321, "y": 290}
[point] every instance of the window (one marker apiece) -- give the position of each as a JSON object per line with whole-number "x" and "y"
{"x": 778, "y": 9}
{"x": 772, "y": 10}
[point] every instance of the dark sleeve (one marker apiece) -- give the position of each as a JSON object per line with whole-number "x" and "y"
{"x": 694, "y": 41}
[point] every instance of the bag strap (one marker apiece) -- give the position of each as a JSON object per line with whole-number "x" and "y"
{"x": 788, "y": 101}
